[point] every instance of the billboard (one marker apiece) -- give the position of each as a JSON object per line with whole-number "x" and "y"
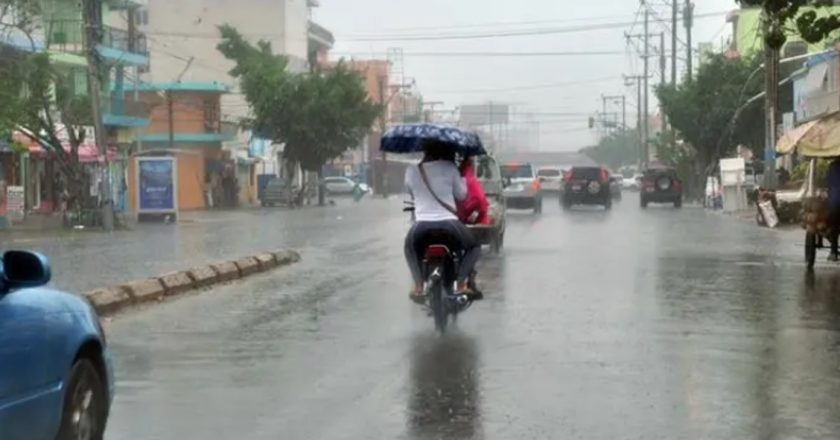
{"x": 485, "y": 114}
{"x": 157, "y": 185}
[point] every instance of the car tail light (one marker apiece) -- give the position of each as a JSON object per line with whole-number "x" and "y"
{"x": 567, "y": 176}
{"x": 677, "y": 185}
{"x": 436, "y": 252}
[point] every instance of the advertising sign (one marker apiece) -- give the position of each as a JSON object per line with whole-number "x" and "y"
{"x": 157, "y": 185}
{"x": 15, "y": 202}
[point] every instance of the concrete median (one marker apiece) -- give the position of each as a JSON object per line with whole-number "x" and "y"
{"x": 108, "y": 300}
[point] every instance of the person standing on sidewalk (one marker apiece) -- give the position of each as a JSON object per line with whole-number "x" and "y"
{"x": 833, "y": 181}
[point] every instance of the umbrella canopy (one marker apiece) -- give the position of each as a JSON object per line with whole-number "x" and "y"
{"x": 819, "y": 138}
{"x": 409, "y": 138}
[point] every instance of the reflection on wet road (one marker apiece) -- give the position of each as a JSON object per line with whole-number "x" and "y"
{"x": 655, "y": 324}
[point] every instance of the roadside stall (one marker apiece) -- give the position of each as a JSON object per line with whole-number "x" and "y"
{"x": 819, "y": 139}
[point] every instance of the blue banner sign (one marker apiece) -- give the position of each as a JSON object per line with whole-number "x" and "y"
{"x": 156, "y": 184}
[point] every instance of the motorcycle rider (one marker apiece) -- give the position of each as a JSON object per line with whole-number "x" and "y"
{"x": 435, "y": 185}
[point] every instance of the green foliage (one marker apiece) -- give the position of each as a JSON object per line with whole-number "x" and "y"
{"x": 811, "y": 18}
{"x": 318, "y": 116}
{"x": 701, "y": 110}
{"x": 615, "y": 150}
{"x": 800, "y": 172}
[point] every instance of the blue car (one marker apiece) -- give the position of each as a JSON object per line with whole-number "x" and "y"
{"x": 56, "y": 378}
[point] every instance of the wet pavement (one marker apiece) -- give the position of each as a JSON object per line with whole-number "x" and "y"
{"x": 630, "y": 324}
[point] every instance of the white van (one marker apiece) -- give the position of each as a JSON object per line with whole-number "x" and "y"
{"x": 551, "y": 178}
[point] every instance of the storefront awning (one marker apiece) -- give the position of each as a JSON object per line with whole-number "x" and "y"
{"x": 88, "y": 151}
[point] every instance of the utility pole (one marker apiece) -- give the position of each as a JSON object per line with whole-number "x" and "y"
{"x": 688, "y": 17}
{"x": 616, "y": 99}
{"x": 674, "y": 25}
{"x": 92, "y": 19}
{"x": 645, "y": 92}
{"x": 629, "y": 80}
{"x": 771, "y": 99}
{"x": 380, "y": 172}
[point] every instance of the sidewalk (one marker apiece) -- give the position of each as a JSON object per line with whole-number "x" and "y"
{"x": 84, "y": 260}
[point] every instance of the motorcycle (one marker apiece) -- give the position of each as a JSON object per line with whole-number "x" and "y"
{"x": 440, "y": 270}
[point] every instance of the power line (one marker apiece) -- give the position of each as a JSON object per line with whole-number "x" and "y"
{"x": 531, "y": 87}
{"x": 489, "y": 54}
{"x": 437, "y": 36}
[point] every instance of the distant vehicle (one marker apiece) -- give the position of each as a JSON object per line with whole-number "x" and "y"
{"x": 490, "y": 176}
{"x": 630, "y": 183}
{"x": 615, "y": 187}
{"x": 523, "y": 189}
{"x": 587, "y": 186}
{"x": 661, "y": 185}
{"x": 551, "y": 178}
{"x": 343, "y": 186}
{"x": 56, "y": 379}
{"x": 278, "y": 193}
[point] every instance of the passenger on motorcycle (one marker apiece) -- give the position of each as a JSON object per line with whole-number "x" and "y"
{"x": 435, "y": 185}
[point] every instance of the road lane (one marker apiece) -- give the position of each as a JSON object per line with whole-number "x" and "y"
{"x": 656, "y": 324}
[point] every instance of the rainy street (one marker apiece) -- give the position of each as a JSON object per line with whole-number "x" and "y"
{"x": 629, "y": 324}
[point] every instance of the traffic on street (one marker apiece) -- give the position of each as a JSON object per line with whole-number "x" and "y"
{"x": 596, "y": 324}
{"x": 439, "y": 220}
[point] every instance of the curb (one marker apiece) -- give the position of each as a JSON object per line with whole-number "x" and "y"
{"x": 112, "y": 299}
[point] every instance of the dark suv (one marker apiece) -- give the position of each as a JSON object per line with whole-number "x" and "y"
{"x": 586, "y": 186}
{"x": 661, "y": 185}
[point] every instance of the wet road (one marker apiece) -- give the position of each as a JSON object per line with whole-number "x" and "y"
{"x": 632, "y": 324}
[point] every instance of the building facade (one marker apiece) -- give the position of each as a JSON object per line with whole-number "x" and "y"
{"x": 747, "y": 40}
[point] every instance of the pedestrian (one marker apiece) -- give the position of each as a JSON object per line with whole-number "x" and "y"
{"x": 783, "y": 176}
{"x": 833, "y": 181}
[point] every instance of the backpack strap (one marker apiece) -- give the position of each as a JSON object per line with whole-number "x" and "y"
{"x": 429, "y": 187}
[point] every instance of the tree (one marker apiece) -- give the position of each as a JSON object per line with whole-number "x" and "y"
{"x": 37, "y": 97}
{"x": 616, "y": 149}
{"x": 811, "y": 19}
{"x": 702, "y": 111}
{"x": 318, "y": 116}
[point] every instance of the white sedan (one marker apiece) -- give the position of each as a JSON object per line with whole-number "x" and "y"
{"x": 343, "y": 185}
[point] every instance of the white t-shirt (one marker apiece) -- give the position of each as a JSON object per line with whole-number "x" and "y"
{"x": 447, "y": 184}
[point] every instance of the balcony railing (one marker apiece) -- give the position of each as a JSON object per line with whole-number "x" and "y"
{"x": 68, "y": 36}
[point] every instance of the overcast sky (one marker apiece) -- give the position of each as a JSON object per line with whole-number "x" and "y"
{"x": 543, "y": 86}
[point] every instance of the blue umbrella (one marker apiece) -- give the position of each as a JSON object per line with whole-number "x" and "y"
{"x": 409, "y": 138}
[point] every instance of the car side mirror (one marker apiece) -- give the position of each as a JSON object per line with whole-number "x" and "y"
{"x": 506, "y": 182}
{"x": 21, "y": 269}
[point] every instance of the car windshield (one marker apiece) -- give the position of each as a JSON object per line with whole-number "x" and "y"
{"x": 586, "y": 173}
{"x": 487, "y": 169}
{"x": 517, "y": 171}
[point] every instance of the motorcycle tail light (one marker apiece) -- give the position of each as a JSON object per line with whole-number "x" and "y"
{"x": 436, "y": 252}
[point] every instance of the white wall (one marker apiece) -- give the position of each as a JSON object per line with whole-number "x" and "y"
{"x": 180, "y": 29}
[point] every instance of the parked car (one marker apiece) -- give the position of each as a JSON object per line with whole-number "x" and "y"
{"x": 523, "y": 189}
{"x": 56, "y": 378}
{"x": 661, "y": 185}
{"x": 587, "y": 186}
{"x": 278, "y": 193}
{"x": 490, "y": 176}
{"x": 551, "y": 178}
{"x": 343, "y": 186}
{"x": 615, "y": 187}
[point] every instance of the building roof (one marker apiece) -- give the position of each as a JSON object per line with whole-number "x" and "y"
{"x": 210, "y": 87}
{"x": 547, "y": 158}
